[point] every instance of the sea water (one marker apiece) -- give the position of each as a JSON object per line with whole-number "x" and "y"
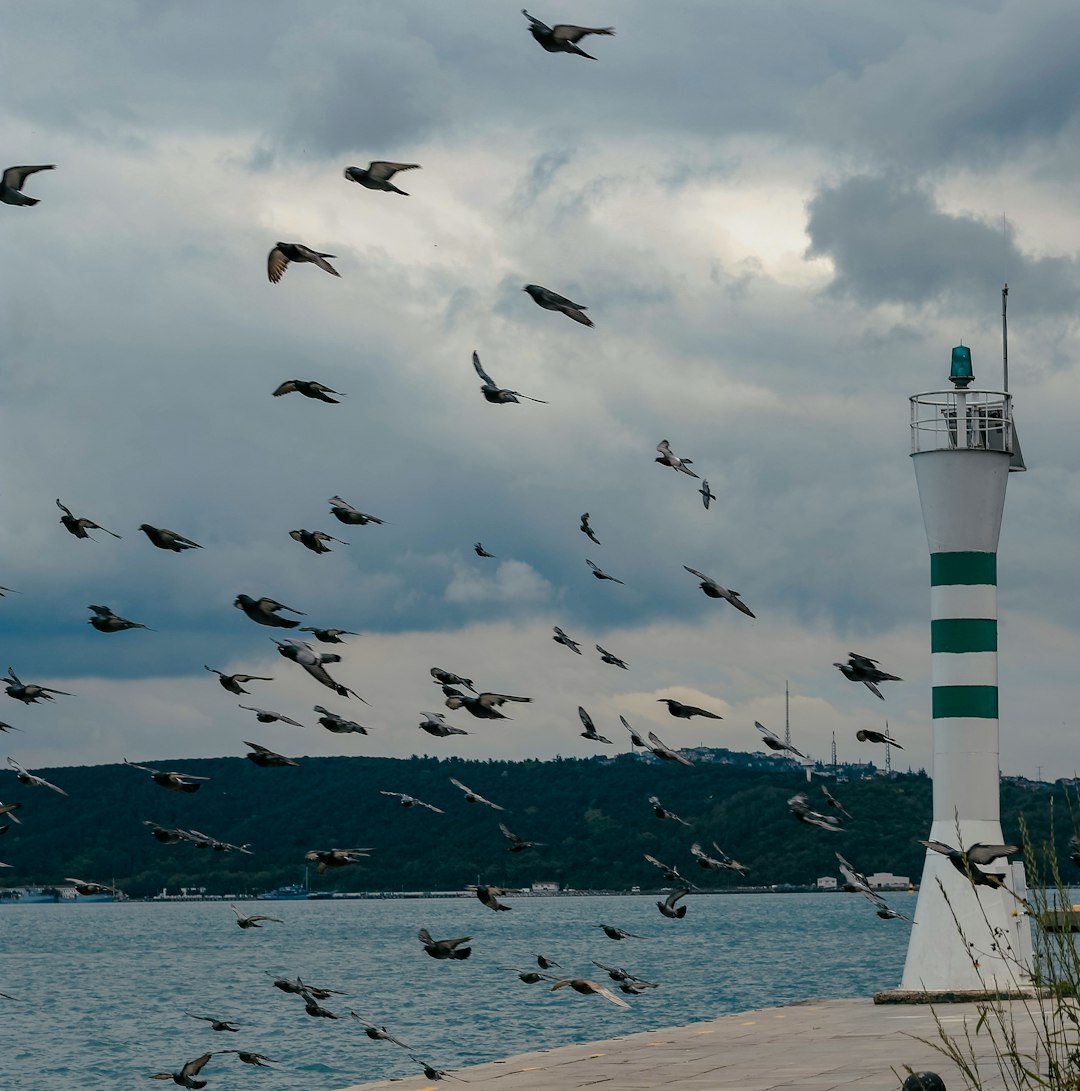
{"x": 101, "y": 990}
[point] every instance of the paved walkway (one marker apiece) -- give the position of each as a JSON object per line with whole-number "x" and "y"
{"x": 828, "y": 1045}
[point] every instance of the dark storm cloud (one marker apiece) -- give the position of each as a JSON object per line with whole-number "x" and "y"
{"x": 891, "y": 243}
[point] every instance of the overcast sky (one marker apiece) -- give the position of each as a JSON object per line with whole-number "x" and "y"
{"x": 781, "y": 218}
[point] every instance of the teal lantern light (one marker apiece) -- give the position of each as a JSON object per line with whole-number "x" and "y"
{"x": 960, "y": 373}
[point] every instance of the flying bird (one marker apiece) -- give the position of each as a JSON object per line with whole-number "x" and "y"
{"x": 265, "y": 611}
{"x": 105, "y": 621}
{"x": 552, "y": 301}
{"x": 715, "y": 591}
{"x": 433, "y": 1073}
{"x": 234, "y": 683}
{"x": 965, "y": 861}
{"x": 801, "y": 812}
{"x": 663, "y": 813}
{"x": 377, "y": 1034}
{"x": 252, "y": 920}
{"x": 335, "y": 858}
{"x": 590, "y": 732}
{"x": 12, "y": 181}
{"x": 314, "y": 539}
{"x": 671, "y": 874}
{"x": 613, "y": 660}
{"x": 561, "y": 638}
{"x": 706, "y": 493}
{"x": 516, "y": 843}
{"x": 186, "y": 1076}
{"x": 669, "y": 458}
{"x": 488, "y": 895}
{"x": 586, "y": 987}
{"x": 252, "y": 1058}
{"x": 563, "y": 37}
{"x": 498, "y": 395}
{"x": 866, "y": 734}
{"x": 267, "y": 716}
{"x": 267, "y": 759}
{"x": 530, "y": 977}
{"x": 599, "y": 573}
{"x": 444, "y": 948}
{"x": 79, "y": 526}
{"x": 88, "y": 890}
{"x": 407, "y": 801}
{"x": 448, "y": 678}
{"x": 435, "y": 724}
{"x": 170, "y": 780}
{"x": 685, "y": 712}
{"x": 635, "y": 738}
{"x": 859, "y": 668}
{"x": 310, "y": 389}
{"x": 475, "y": 797}
{"x": 346, "y": 513}
{"x": 667, "y": 906}
{"x": 328, "y": 636}
{"x": 586, "y": 529}
{"x": 480, "y": 551}
{"x": 720, "y": 862}
{"x": 661, "y": 750}
{"x": 278, "y": 259}
{"x": 774, "y": 742}
{"x": 545, "y": 963}
{"x": 833, "y": 802}
{"x": 377, "y": 175}
{"x": 484, "y": 706}
{"x": 312, "y": 661}
{"x": 313, "y": 1008}
{"x": 338, "y": 724}
{"x": 168, "y": 539}
{"x": 29, "y": 692}
{"x": 30, "y": 779}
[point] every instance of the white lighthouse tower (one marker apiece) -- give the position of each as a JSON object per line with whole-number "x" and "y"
{"x": 962, "y": 446}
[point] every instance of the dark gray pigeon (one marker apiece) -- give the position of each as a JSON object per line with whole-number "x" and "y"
{"x": 168, "y": 539}
{"x": 11, "y": 185}
{"x": 278, "y": 259}
{"x": 685, "y": 712}
{"x": 314, "y": 539}
{"x": 264, "y": 611}
{"x": 498, "y": 395}
{"x": 563, "y": 37}
{"x": 234, "y": 682}
{"x": 377, "y": 176}
{"x": 561, "y": 638}
{"x": 79, "y": 526}
{"x": 105, "y": 621}
{"x": 669, "y": 458}
{"x": 328, "y": 636}
{"x": 346, "y": 513}
{"x": 706, "y": 493}
{"x": 552, "y": 301}
{"x": 310, "y": 389}
{"x": 586, "y": 529}
{"x": 599, "y": 573}
{"x": 480, "y": 551}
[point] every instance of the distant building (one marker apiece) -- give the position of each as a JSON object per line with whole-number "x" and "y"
{"x": 545, "y": 886}
{"x": 826, "y": 882}
{"x": 885, "y": 880}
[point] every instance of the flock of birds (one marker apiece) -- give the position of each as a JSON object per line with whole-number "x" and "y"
{"x": 459, "y": 692}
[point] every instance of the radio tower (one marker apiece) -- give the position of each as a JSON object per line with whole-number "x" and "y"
{"x": 787, "y": 716}
{"x": 888, "y": 751}
{"x": 834, "y": 753}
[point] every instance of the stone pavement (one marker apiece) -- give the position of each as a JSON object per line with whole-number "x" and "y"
{"x": 827, "y": 1045}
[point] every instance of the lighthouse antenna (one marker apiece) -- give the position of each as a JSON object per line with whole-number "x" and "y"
{"x": 1005, "y": 335}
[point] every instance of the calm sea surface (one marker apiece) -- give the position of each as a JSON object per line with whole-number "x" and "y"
{"x": 102, "y": 988}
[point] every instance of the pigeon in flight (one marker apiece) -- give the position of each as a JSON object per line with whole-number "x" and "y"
{"x": 563, "y": 37}
{"x": 685, "y": 712}
{"x": 377, "y": 1034}
{"x": 800, "y": 810}
{"x": 310, "y": 389}
{"x": 586, "y": 529}
{"x": 671, "y": 874}
{"x": 257, "y": 1059}
{"x": 11, "y": 184}
{"x": 79, "y": 526}
{"x": 328, "y": 636}
{"x": 480, "y": 551}
{"x": 599, "y": 573}
{"x": 660, "y": 749}
{"x": 965, "y": 862}
{"x": 444, "y": 948}
{"x": 278, "y": 259}
{"x": 552, "y": 301}
{"x": 833, "y": 802}
{"x": 561, "y": 638}
{"x": 590, "y": 732}
{"x": 435, "y": 724}
{"x": 377, "y": 176}
{"x": 590, "y": 988}
{"x": 8, "y": 591}
{"x": 669, "y": 458}
{"x": 498, "y": 395}
{"x": 234, "y": 682}
{"x": 716, "y": 591}
{"x": 860, "y": 669}
{"x": 338, "y": 724}
{"x": 335, "y": 858}
{"x": 475, "y": 797}
{"x": 617, "y": 933}
{"x": 217, "y": 1024}
{"x": 774, "y": 742}
{"x": 244, "y": 920}
{"x": 635, "y": 738}
{"x": 448, "y": 678}
{"x": 706, "y": 493}
{"x": 313, "y": 540}
{"x": 29, "y": 692}
{"x": 89, "y": 889}
{"x": 667, "y": 906}
{"x": 170, "y": 780}
{"x": 105, "y": 621}
{"x": 408, "y": 802}
{"x": 265, "y": 611}
{"x": 613, "y": 660}
{"x": 265, "y": 716}
{"x": 488, "y": 895}
{"x": 265, "y": 758}
{"x": 168, "y": 539}
{"x": 663, "y": 813}
{"x": 31, "y": 780}
{"x": 529, "y": 977}
{"x": 866, "y": 734}
{"x": 186, "y": 1076}
{"x": 312, "y": 661}
{"x": 346, "y": 513}
{"x": 720, "y": 862}
{"x": 484, "y": 706}
{"x": 516, "y": 843}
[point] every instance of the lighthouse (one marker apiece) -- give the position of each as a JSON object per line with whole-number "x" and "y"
{"x": 967, "y": 938}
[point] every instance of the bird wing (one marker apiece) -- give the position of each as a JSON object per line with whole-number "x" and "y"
{"x": 101, "y": 611}
{"x": 287, "y": 387}
{"x": 541, "y": 26}
{"x": 567, "y": 32}
{"x": 490, "y": 700}
{"x": 381, "y": 171}
{"x": 16, "y": 176}
{"x": 987, "y": 854}
{"x": 586, "y": 720}
{"x": 193, "y": 1068}
{"x": 700, "y": 575}
{"x": 480, "y": 370}
{"x": 276, "y": 264}
{"x": 594, "y": 567}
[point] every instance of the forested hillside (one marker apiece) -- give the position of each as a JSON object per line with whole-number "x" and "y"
{"x": 593, "y": 817}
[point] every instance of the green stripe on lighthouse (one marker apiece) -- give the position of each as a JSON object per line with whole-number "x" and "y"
{"x": 979, "y": 702}
{"x": 963, "y": 635}
{"x": 969, "y": 568}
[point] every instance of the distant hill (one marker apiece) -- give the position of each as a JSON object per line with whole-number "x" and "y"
{"x": 592, "y": 816}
